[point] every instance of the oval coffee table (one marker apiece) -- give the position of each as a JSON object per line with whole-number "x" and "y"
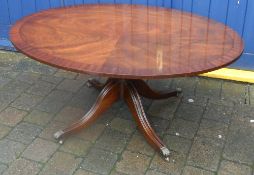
{"x": 127, "y": 44}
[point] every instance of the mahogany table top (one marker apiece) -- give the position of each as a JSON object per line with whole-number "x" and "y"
{"x": 126, "y": 41}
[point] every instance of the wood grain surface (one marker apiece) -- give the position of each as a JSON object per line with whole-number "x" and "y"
{"x": 126, "y": 41}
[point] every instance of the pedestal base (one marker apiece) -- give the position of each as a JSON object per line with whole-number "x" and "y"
{"x": 130, "y": 91}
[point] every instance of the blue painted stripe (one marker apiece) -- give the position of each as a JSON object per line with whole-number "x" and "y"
{"x": 107, "y": 1}
{"x": 248, "y": 34}
{"x": 28, "y": 7}
{"x": 123, "y": 1}
{"x": 4, "y": 31}
{"x": 42, "y": 5}
{"x": 143, "y": 2}
{"x": 246, "y": 62}
{"x": 69, "y": 2}
{"x": 236, "y": 14}
{"x": 219, "y": 10}
{"x": 91, "y": 1}
{"x": 77, "y": 2}
{"x": 4, "y": 12}
{"x": 201, "y": 7}
{"x": 158, "y": 3}
{"x": 5, "y": 42}
{"x": 56, "y": 3}
{"x": 177, "y": 4}
{"x": 6, "y": 45}
{"x": 15, "y": 10}
{"x": 168, "y": 3}
{"x": 187, "y": 5}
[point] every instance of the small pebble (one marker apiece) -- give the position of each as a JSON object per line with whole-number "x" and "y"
{"x": 167, "y": 159}
{"x": 177, "y": 134}
{"x": 107, "y": 124}
{"x": 179, "y": 89}
{"x": 190, "y": 100}
{"x": 252, "y": 121}
{"x": 220, "y": 136}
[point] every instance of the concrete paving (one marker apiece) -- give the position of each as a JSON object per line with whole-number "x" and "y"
{"x": 210, "y": 128}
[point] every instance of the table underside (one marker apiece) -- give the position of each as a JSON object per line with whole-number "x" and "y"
{"x": 130, "y": 91}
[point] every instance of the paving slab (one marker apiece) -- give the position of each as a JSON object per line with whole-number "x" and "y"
{"x": 38, "y": 117}
{"x": 49, "y": 131}
{"x": 232, "y": 168}
{"x": 132, "y": 163}
{"x": 4, "y": 81}
{"x": 26, "y": 101}
{"x": 11, "y": 116}
{"x": 71, "y": 85}
{"x": 28, "y": 77}
{"x": 65, "y": 74}
{"x": 154, "y": 172}
{"x": 205, "y": 153}
{"x": 41, "y": 88}
{"x": 16, "y": 87}
{"x": 3, "y": 167}
{"x": 25, "y": 132}
{"x": 208, "y": 127}
{"x": 4, "y": 130}
{"x": 174, "y": 166}
{"x": 189, "y": 112}
{"x": 164, "y": 109}
{"x": 243, "y": 112}
{"x": 187, "y": 85}
{"x": 92, "y": 132}
{"x": 112, "y": 140}
{"x": 195, "y": 100}
{"x": 61, "y": 164}
{"x": 183, "y": 128}
{"x": 234, "y": 91}
{"x": 76, "y": 146}
{"x": 138, "y": 144}
{"x": 123, "y": 125}
{"x": 99, "y": 161}
{"x": 160, "y": 85}
{"x": 219, "y": 112}
{"x": 83, "y": 172}
{"x": 69, "y": 114}
{"x": 54, "y": 101}
{"x": 189, "y": 170}
{"x": 6, "y": 98}
{"x": 84, "y": 98}
{"x": 8, "y": 73}
{"x": 10, "y": 150}
{"x": 239, "y": 145}
{"x": 51, "y": 79}
{"x": 212, "y": 129}
{"x": 40, "y": 150}
{"x": 177, "y": 144}
{"x": 23, "y": 167}
{"x": 31, "y": 66}
{"x": 209, "y": 87}
{"x": 159, "y": 125}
